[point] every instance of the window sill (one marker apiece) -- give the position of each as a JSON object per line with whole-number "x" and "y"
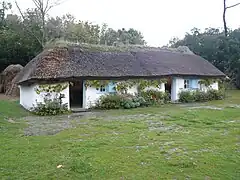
{"x": 101, "y": 92}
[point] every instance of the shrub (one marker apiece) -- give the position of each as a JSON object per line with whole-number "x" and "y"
{"x": 167, "y": 97}
{"x": 110, "y": 101}
{"x": 154, "y": 97}
{"x": 134, "y": 102}
{"x": 118, "y": 101}
{"x": 216, "y": 94}
{"x": 141, "y": 101}
{"x": 126, "y": 101}
{"x": 201, "y": 96}
{"x": 128, "y": 104}
{"x": 50, "y": 107}
{"x": 186, "y": 96}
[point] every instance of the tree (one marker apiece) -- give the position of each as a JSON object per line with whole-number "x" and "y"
{"x": 4, "y": 6}
{"x": 23, "y": 37}
{"x": 225, "y": 7}
{"x": 17, "y": 47}
{"x": 108, "y": 36}
{"x": 122, "y": 36}
{"x": 42, "y": 7}
{"x": 135, "y": 37}
{"x": 213, "y": 45}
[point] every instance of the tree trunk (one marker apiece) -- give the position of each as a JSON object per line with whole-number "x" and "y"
{"x": 43, "y": 30}
{"x": 224, "y": 18}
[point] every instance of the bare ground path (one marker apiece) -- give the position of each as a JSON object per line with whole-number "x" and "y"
{"x": 50, "y": 125}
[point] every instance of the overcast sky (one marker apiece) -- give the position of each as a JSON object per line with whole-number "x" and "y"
{"x": 158, "y": 20}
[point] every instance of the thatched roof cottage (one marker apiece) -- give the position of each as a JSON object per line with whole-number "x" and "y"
{"x": 79, "y": 63}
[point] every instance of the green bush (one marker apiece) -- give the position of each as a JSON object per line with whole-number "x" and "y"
{"x": 128, "y": 104}
{"x": 186, "y": 96}
{"x": 110, "y": 101}
{"x": 50, "y": 107}
{"x": 126, "y": 101}
{"x": 119, "y": 101}
{"x": 153, "y": 97}
{"x": 141, "y": 101}
{"x": 134, "y": 102}
{"x": 216, "y": 94}
{"x": 201, "y": 96}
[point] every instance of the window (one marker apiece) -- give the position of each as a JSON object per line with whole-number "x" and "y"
{"x": 101, "y": 89}
{"x": 111, "y": 88}
{"x": 186, "y": 84}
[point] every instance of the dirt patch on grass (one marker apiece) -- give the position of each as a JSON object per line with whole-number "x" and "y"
{"x": 50, "y": 125}
{"x": 207, "y": 107}
{"x": 160, "y": 127}
{"x": 135, "y": 117}
{"x": 10, "y": 98}
{"x": 233, "y": 106}
{"x": 154, "y": 121}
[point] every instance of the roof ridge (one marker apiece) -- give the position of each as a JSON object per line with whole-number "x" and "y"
{"x": 117, "y": 48}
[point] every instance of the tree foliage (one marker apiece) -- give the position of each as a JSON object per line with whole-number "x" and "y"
{"x": 213, "y": 45}
{"x": 23, "y": 37}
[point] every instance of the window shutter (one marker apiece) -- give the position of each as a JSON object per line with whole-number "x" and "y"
{"x": 107, "y": 88}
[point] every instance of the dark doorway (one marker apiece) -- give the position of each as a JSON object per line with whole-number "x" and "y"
{"x": 168, "y": 85}
{"x": 76, "y": 94}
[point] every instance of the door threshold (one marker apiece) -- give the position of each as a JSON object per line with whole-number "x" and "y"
{"x": 77, "y": 110}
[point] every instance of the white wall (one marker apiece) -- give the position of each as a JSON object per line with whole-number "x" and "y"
{"x": 40, "y": 97}
{"x": 178, "y": 86}
{"x": 133, "y": 90}
{"x": 29, "y": 97}
{"x": 26, "y": 96}
{"x": 212, "y": 86}
{"x": 160, "y": 88}
{"x": 92, "y": 95}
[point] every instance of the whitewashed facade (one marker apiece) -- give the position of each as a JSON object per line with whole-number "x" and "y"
{"x": 90, "y": 95}
{"x": 180, "y": 84}
{"x": 29, "y": 97}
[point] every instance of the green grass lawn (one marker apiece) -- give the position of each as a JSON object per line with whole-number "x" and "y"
{"x": 168, "y": 142}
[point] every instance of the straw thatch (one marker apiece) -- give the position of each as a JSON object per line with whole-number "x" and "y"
{"x": 107, "y": 62}
{"x": 9, "y": 85}
{"x": 1, "y": 83}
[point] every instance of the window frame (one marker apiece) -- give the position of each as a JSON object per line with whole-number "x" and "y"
{"x": 101, "y": 89}
{"x": 186, "y": 84}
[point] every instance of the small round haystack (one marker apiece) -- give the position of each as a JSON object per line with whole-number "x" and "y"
{"x": 1, "y": 83}
{"x": 10, "y": 88}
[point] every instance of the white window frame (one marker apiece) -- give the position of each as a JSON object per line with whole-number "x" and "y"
{"x": 186, "y": 83}
{"x": 101, "y": 89}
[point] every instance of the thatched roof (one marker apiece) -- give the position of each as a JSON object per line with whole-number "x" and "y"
{"x": 106, "y": 62}
{"x": 12, "y": 69}
{"x": 9, "y": 86}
